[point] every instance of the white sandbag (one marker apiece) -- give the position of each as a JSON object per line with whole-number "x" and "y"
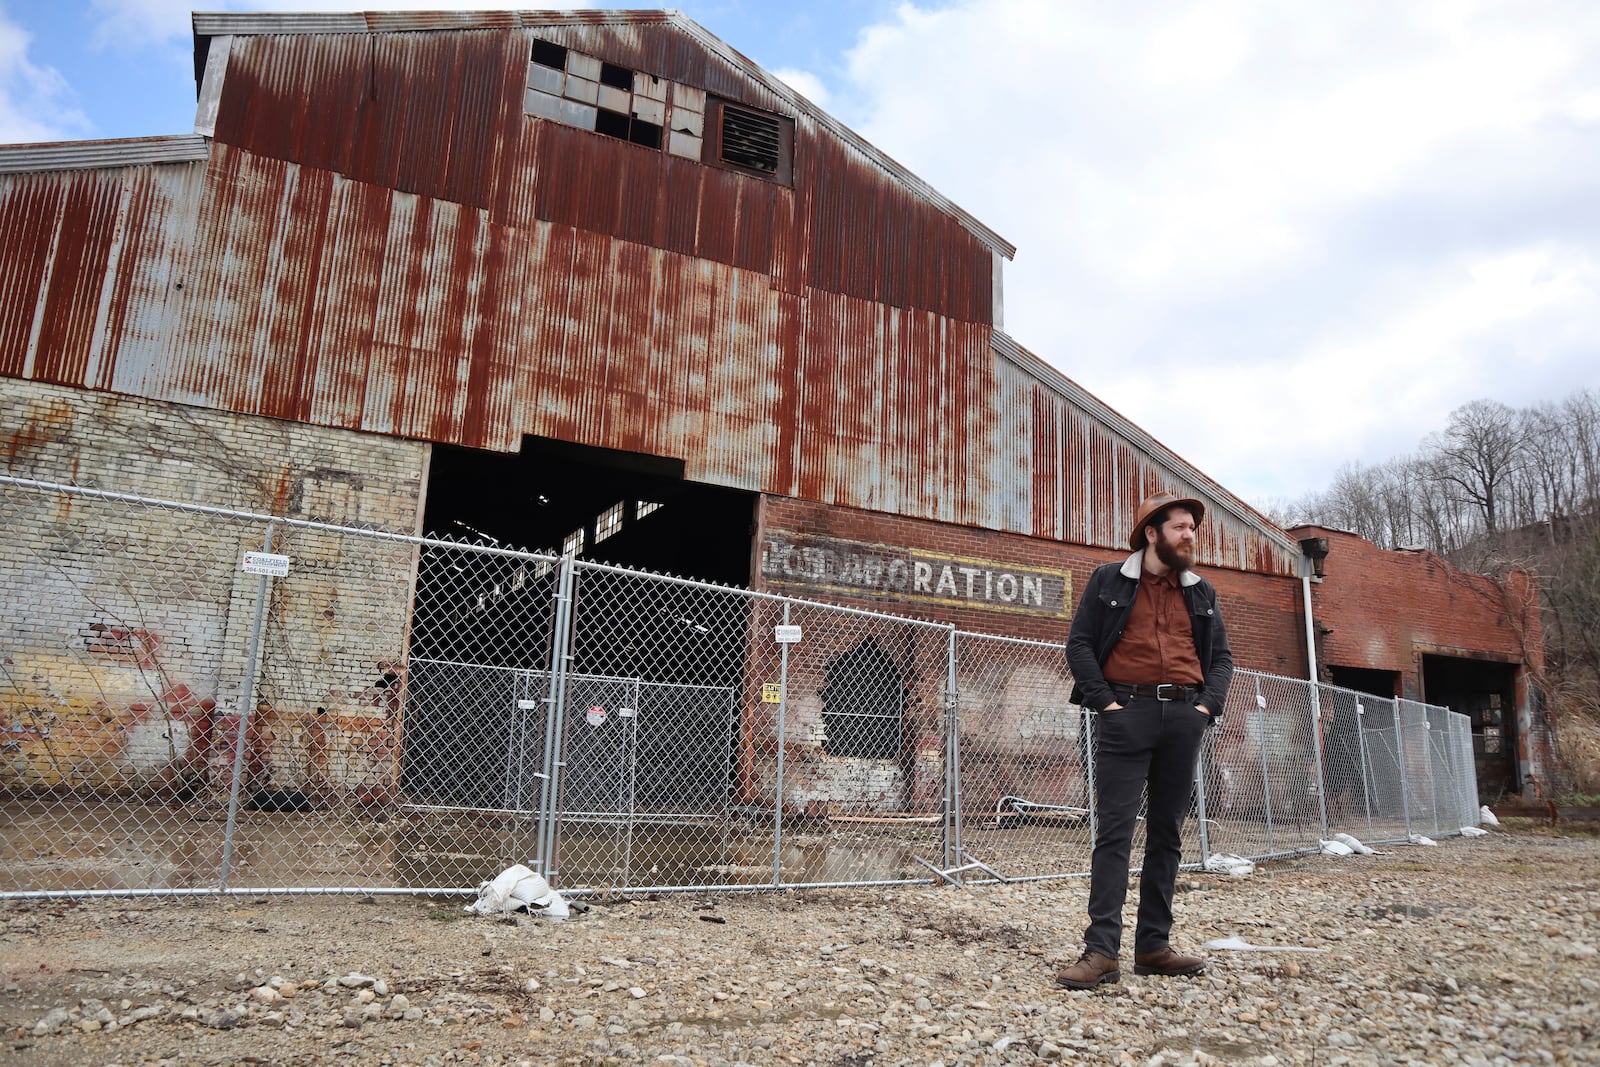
{"x": 1355, "y": 845}
{"x": 1487, "y": 816}
{"x": 1336, "y": 848}
{"x": 518, "y": 888}
{"x": 1224, "y": 863}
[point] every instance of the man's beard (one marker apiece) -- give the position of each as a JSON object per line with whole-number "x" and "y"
{"x": 1173, "y": 556}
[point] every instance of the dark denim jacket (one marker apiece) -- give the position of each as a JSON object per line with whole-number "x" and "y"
{"x": 1102, "y": 613}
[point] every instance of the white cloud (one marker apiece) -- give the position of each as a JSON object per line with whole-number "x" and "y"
{"x": 1326, "y": 225}
{"x": 36, "y": 104}
{"x": 805, "y": 83}
{"x": 140, "y": 23}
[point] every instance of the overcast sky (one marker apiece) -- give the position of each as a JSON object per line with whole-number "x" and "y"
{"x": 1278, "y": 236}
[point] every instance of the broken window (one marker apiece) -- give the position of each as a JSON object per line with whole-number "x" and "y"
{"x": 575, "y": 89}
{"x": 863, "y": 705}
{"x": 609, "y": 522}
{"x": 572, "y": 545}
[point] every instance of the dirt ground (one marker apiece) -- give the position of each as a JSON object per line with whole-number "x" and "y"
{"x": 1480, "y": 950}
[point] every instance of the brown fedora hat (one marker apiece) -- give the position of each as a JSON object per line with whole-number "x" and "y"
{"x": 1154, "y": 504}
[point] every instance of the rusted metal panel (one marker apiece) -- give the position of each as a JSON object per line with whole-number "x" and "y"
{"x": 1103, "y": 466}
{"x": 440, "y": 115}
{"x": 30, "y": 216}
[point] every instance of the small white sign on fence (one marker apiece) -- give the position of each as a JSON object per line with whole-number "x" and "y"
{"x": 786, "y": 635}
{"x": 267, "y": 563}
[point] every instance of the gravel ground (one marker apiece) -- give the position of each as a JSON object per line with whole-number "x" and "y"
{"x": 1478, "y": 951}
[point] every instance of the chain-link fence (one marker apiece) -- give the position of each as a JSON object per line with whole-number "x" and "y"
{"x": 201, "y": 700}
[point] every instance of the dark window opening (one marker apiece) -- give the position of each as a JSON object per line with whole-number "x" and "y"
{"x": 635, "y": 130}
{"x": 1366, "y": 680}
{"x": 863, "y": 705}
{"x": 611, "y": 124}
{"x": 616, "y": 77}
{"x": 549, "y": 54}
{"x": 645, "y": 133}
{"x": 749, "y": 141}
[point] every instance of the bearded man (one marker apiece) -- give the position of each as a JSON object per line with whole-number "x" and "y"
{"x": 1148, "y": 651}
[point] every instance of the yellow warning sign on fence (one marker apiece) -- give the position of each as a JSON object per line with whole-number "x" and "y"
{"x": 771, "y": 693}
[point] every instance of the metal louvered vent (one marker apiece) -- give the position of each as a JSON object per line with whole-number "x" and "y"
{"x": 751, "y": 140}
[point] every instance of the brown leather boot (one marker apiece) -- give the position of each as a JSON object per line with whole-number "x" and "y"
{"x": 1092, "y": 969}
{"x": 1167, "y": 962}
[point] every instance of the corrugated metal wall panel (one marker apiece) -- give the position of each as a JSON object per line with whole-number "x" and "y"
{"x": 78, "y": 263}
{"x": 343, "y": 360}
{"x": 30, "y": 216}
{"x": 440, "y": 115}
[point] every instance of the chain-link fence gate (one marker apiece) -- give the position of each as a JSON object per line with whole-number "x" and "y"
{"x": 201, "y": 700}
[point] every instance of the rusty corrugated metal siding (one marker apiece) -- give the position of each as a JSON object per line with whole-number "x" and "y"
{"x": 1087, "y": 468}
{"x": 382, "y": 241}
{"x": 440, "y": 115}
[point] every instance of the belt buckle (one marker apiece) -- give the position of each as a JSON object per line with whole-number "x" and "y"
{"x": 1166, "y": 685}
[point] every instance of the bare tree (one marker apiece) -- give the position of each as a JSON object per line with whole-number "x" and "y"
{"x": 1477, "y": 455}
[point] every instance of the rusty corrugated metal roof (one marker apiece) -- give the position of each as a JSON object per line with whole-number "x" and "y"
{"x": 86, "y": 155}
{"x": 616, "y": 34}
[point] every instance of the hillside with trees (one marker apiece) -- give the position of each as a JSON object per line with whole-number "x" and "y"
{"x": 1503, "y": 489}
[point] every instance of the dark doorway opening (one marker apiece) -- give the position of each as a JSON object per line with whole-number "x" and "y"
{"x": 595, "y": 504}
{"x": 1485, "y": 692}
{"x": 669, "y": 654}
{"x": 631, "y": 509}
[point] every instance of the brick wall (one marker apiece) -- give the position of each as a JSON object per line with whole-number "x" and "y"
{"x": 1018, "y": 726}
{"x": 129, "y": 626}
{"x": 1262, "y": 611}
{"x": 1388, "y": 608}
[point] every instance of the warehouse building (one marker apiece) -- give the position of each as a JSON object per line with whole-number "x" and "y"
{"x": 588, "y": 282}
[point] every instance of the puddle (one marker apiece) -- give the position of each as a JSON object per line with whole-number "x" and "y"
{"x": 132, "y": 845}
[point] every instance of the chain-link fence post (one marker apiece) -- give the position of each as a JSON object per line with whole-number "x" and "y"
{"x": 1436, "y": 767}
{"x": 1316, "y": 746}
{"x": 952, "y": 760}
{"x": 1200, "y": 797}
{"x": 1366, "y": 773}
{"x": 777, "y": 785}
{"x": 1400, "y": 762}
{"x": 555, "y": 704}
{"x": 1266, "y": 778}
{"x": 241, "y": 740}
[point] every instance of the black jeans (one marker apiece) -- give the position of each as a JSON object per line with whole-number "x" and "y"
{"x": 1147, "y": 744}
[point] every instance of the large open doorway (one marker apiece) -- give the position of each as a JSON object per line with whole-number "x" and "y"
{"x": 601, "y": 504}
{"x": 650, "y": 667}
{"x": 1485, "y": 692}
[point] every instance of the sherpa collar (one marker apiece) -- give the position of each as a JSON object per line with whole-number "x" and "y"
{"x": 1133, "y": 569}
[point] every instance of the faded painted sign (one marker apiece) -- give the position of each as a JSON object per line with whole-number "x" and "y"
{"x": 898, "y": 573}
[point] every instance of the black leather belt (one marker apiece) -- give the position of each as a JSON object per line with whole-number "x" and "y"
{"x": 1164, "y": 691}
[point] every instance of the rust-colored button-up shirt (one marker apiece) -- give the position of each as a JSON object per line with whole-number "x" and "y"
{"x": 1157, "y": 644}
